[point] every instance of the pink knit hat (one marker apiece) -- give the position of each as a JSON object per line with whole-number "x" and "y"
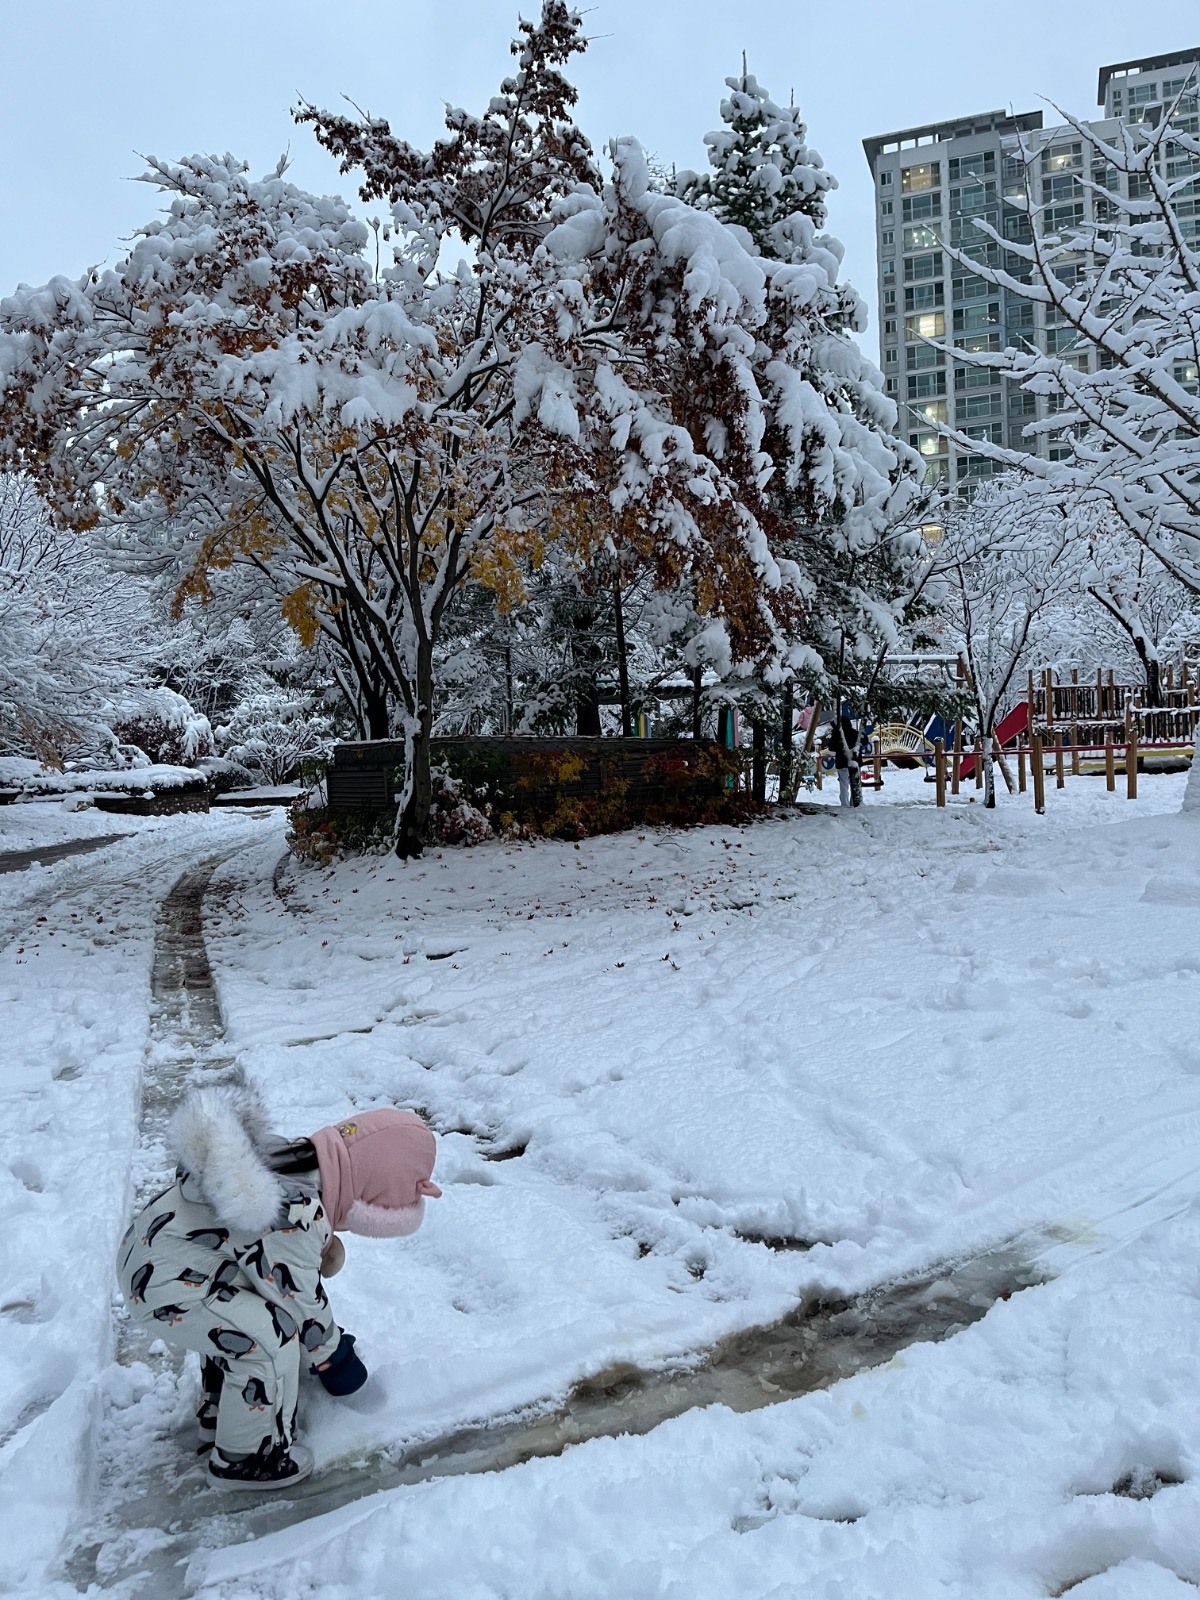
{"x": 375, "y": 1172}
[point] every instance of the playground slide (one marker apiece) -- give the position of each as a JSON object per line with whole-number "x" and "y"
{"x": 1017, "y": 721}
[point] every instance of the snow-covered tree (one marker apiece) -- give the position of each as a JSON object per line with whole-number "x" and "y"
{"x": 615, "y": 371}
{"x": 1004, "y": 562}
{"x": 1128, "y": 285}
{"x": 272, "y": 730}
{"x": 857, "y": 561}
{"x": 763, "y": 178}
{"x": 73, "y": 634}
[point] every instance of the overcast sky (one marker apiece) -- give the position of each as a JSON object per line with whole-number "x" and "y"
{"x": 87, "y": 86}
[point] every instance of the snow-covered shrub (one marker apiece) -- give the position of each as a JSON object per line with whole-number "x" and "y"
{"x": 453, "y": 818}
{"x": 163, "y": 725}
{"x": 273, "y": 730}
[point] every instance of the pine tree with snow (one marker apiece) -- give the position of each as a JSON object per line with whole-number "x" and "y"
{"x": 764, "y": 176}
{"x": 834, "y": 427}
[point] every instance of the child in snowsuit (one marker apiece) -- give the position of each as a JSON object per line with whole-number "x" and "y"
{"x": 228, "y": 1261}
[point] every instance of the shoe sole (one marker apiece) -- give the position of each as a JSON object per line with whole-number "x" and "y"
{"x": 263, "y": 1485}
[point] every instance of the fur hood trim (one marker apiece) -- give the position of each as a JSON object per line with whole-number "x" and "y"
{"x": 221, "y": 1137}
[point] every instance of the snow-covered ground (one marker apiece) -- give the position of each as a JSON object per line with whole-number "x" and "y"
{"x": 900, "y": 1037}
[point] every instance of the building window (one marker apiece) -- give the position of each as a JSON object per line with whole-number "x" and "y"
{"x": 964, "y": 231}
{"x": 972, "y": 288}
{"x": 976, "y": 343}
{"x": 923, "y": 296}
{"x": 933, "y": 412}
{"x": 924, "y": 385}
{"x": 893, "y": 386}
{"x": 973, "y": 197}
{"x": 932, "y": 325}
{"x": 990, "y": 432}
{"x": 976, "y": 467}
{"x": 885, "y": 208}
{"x": 1059, "y": 340}
{"x": 921, "y": 207}
{"x": 1061, "y": 219}
{"x": 929, "y": 444}
{"x": 936, "y": 472}
{"x": 1063, "y": 186}
{"x": 885, "y": 180}
{"x": 980, "y": 316}
{"x": 889, "y": 328}
{"x": 980, "y": 165}
{"x": 889, "y": 299}
{"x": 1142, "y": 94}
{"x": 1018, "y": 228}
{"x": 1063, "y": 158}
{"x": 913, "y": 179}
{"x": 975, "y": 378}
{"x": 888, "y": 269}
{"x": 1022, "y": 404}
{"x": 918, "y": 267}
{"x": 923, "y": 355}
{"x": 887, "y": 239}
{"x": 1187, "y": 374}
{"x": 889, "y": 358}
{"x": 980, "y": 405}
{"x": 923, "y": 236}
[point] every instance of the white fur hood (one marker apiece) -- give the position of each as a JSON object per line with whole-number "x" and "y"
{"x": 221, "y": 1137}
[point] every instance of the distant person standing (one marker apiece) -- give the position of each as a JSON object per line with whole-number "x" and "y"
{"x": 846, "y": 739}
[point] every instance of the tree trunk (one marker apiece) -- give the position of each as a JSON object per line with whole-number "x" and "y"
{"x": 587, "y": 659}
{"x": 759, "y": 769}
{"x": 786, "y": 792}
{"x": 622, "y": 664}
{"x": 414, "y": 819}
{"x": 1154, "y": 690}
{"x": 989, "y": 775}
{"x": 378, "y": 721}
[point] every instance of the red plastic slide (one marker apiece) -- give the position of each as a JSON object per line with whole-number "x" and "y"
{"x": 1017, "y": 721}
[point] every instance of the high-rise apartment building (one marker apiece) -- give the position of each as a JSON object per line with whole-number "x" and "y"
{"x": 931, "y": 184}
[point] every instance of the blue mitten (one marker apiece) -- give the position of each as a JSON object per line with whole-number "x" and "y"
{"x": 345, "y": 1373}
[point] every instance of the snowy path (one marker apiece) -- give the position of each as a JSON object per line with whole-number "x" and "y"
{"x": 75, "y": 963}
{"x": 47, "y": 854}
{"x": 688, "y": 1086}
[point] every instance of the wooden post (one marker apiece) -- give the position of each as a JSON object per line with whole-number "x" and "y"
{"x": 1111, "y": 699}
{"x": 1131, "y": 760}
{"x": 1060, "y": 777}
{"x": 758, "y": 781}
{"x": 1048, "y": 689}
{"x": 785, "y": 745}
{"x": 1099, "y": 693}
{"x": 939, "y": 769}
{"x": 1031, "y": 702}
{"x": 1110, "y": 766}
{"x": 1074, "y": 749}
{"x": 979, "y": 763}
{"x": 1021, "y": 768}
{"x": 878, "y": 763}
{"x": 1039, "y": 774}
{"x": 954, "y": 765}
{"x": 810, "y": 736}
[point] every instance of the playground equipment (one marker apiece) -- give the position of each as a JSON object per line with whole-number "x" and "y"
{"x": 1100, "y": 727}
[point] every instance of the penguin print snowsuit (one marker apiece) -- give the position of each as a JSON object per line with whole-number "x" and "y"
{"x": 227, "y": 1262}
